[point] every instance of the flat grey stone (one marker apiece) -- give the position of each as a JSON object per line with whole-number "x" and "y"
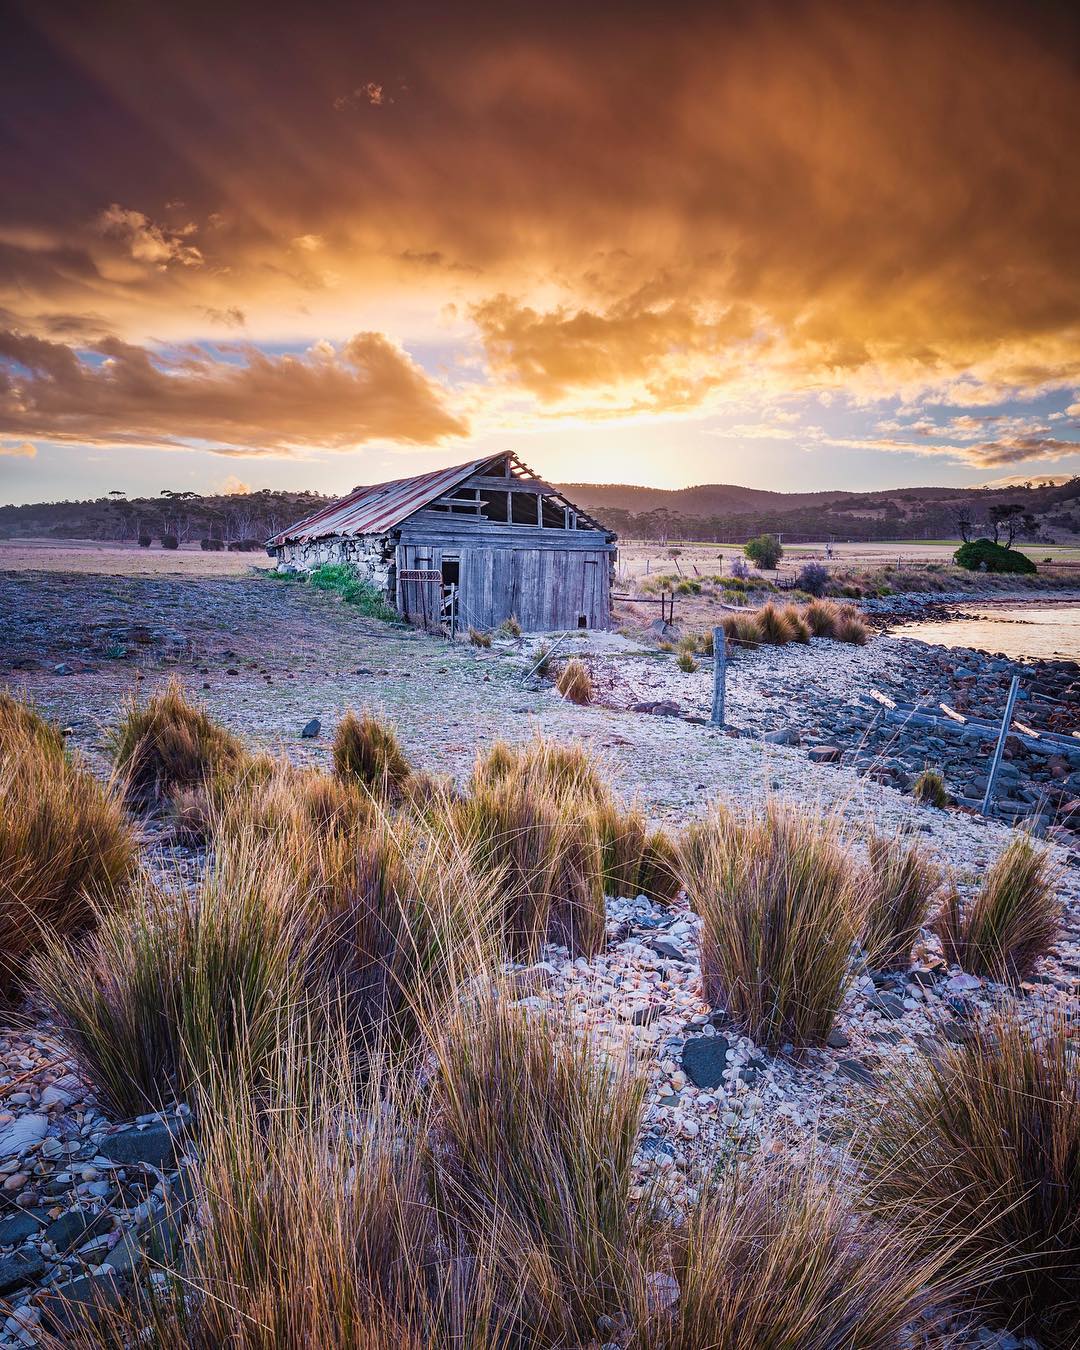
{"x": 704, "y": 1059}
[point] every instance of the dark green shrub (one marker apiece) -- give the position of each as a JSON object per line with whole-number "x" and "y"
{"x": 984, "y": 555}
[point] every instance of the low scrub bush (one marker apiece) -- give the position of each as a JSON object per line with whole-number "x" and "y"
{"x": 367, "y": 751}
{"x": 343, "y": 580}
{"x": 1013, "y": 921}
{"x": 538, "y": 1137}
{"x": 574, "y": 682}
{"x": 983, "y": 555}
{"x": 902, "y": 880}
{"x": 929, "y": 789}
{"x": 170, "y": 743}
{"x": 983, "y": 1141}
{"x": 813, "y": 578}
{"x": 781, "y": 904}
{"x": 66, "y": 845}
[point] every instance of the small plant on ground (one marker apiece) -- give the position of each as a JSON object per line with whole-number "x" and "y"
{"x": 851, "y": 627}
{"x": 574, "y": 682}
{"x": 478, "y": 637}
{"x": 773, "y": 626}
{"x": 983, "y": 1141}
{"x": 66, "y": 846}
{"x": 510, "y": 627}
{"x": 367, "y": 751}
{"x": 781, "y": 905}
{"x": 168, "y": 744}
{"x": 741, "y": 630}
{"x": 344, "y": 580}
{"x": 902, "y": 880}
{"x": 635, "y": 860}
{"x": 798, "y": 628}
{"x": 929, "y": 789}
{"x": 540, "y": 658}
{"x": 686, "y": 663}
{"x": 1013, "y": 921}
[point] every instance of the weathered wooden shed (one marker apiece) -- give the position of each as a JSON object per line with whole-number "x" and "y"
{"x": 485, "y": 540}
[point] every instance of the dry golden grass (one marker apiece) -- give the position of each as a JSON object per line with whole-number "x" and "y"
{"x": 169, "y": 744}
{"x": 574, "y": 682}
{"x": 66, "y": 844}
{"x": 538, "y": 1139}
{"x": 781, "y": 904}
{"x": 367, "y": 751}
{"x": 985, "y": 1141}
{"x": 1014, "y": 919}
{"x": 902, "y": 881}
{"x": 929, "y": 789}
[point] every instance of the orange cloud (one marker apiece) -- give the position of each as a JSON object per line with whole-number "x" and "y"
{"x": 336, "y": 398}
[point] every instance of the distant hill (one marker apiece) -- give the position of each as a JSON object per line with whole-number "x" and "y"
{"x": 726, "y": 511}
{"x": 722, "y": 511}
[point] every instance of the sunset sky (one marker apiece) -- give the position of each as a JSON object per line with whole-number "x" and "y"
{"x": 785, "y": 245}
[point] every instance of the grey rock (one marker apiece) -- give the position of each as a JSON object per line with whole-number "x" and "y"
{"x": 311, "y": 729}
{"x": 18, "y": 1269}
{"x": 837, "y": 1039}
{"x": 785, "y": 736}
{"x": 22, "y": 1225}
{"x": 667, "y": 950}
{"x": 155, "y": 1145}
{"x": 825, "y": 754}
{"x": 75, "y": 1227}
{"x": 889, "y": 1005}
{"x": 858, "y": 1073}
{"x": 66, "y": 1307}
{"x": 63, "y": 669}
{"x": 704, "y": 1059}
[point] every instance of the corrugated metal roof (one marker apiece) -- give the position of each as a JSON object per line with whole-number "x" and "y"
{"x": 373, "y": 510}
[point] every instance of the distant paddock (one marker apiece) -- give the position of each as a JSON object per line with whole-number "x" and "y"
{"x": 112, "y": 558}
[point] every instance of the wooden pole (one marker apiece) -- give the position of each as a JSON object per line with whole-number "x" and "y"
{"x": 719, "y": 644}
{"x": 1006, "y": 721}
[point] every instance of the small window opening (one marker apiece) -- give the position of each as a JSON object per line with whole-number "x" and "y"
{"x": 451, "y": 571}
{"x": 582, "y": 621}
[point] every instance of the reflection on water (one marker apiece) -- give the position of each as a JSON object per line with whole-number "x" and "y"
{"x": 1016, "y": 630}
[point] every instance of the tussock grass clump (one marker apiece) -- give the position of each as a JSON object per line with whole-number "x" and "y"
{"x": 635, "y": 860}
{"x": 368, "y": 752}
{"x": 686, "y": 663}
{"x": 822, "y": 617}
{"x": 168, "y": 744}
{"x": 569, "y": 771}
{"x": 851, "y": 627}
{"x": 775, "y": 1259}
{"x": 742, "y": 629}
{"x": 541, "y": 658}
{"x": 781, "y": 904}
{"x": 22, "y": 726}
{"x": 545, "y": 869}
{"x": 797, "y": 627}
{"x": 478, "y": 637}
{"x": 170, "y": 989}
{"x": 929, "y": 789}
{"x": 66, "y": 845}
{"x": 1013, "y": 921}
{"x": 902, "y": 880}
{"x": 538, "y": 1138}
{"x": 574, "y": 682}
{"x": 510, "y": 627}
{"x": 773, "y": 627}
{"x": 985, "y": 1142}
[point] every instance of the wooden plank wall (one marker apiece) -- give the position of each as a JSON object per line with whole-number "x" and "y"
{"x": 546, "y": 588}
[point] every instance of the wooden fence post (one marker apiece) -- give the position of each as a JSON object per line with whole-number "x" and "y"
{"x": 1006, "y": 721}
{"x": 719, "y": 645}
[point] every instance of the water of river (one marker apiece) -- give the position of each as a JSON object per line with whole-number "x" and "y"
{"x": 1032, "y": 630}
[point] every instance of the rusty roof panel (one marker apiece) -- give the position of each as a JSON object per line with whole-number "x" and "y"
{"x": 373, "y": 510}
